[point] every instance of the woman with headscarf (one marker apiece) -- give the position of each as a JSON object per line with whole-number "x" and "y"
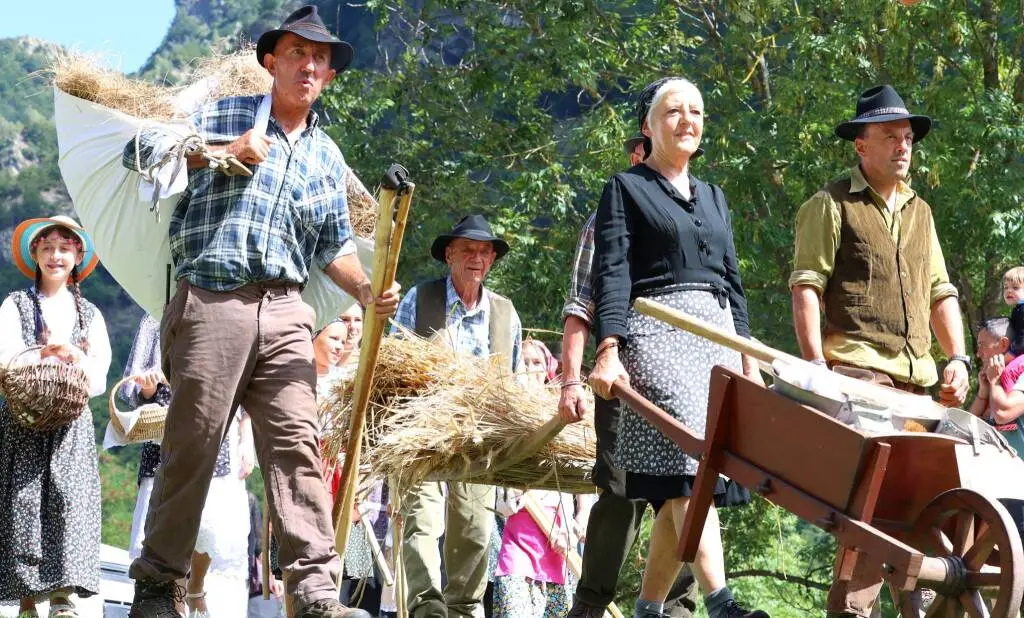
{"x": 663, "y": 233}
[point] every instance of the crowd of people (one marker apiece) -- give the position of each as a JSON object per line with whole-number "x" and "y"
{"x": 867, "y": 258}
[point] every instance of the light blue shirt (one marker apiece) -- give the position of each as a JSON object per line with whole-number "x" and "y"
{"x": 470, "y": 327}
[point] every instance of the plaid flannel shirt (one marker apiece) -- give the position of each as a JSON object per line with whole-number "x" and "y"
{"x": 228, "y": 231}
{"x": 471, "y": 329}
{"x": 580, "y": 302}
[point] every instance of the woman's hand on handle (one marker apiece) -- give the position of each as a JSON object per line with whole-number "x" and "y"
{"x": 572, "y": 404}
{"x": 608, "y": 369}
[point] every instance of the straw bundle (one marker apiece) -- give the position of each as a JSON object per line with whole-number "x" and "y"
{"x": 225, "y": 76}
{"x": 212, "y": 78}
{"x": 435, "y": 415}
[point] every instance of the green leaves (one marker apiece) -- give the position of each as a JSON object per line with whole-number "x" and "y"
{"x": 518, "y": 110}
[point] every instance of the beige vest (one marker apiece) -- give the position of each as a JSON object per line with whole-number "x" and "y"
{"x": 431, "y": 318}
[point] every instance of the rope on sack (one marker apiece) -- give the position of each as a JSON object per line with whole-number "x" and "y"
{"x": 188, "y": 146}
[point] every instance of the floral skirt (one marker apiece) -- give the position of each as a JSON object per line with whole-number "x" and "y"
{"x": 671, "y": 368}
{"x": 50, "y": 513}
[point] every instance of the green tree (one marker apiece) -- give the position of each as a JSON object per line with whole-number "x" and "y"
{"x": 518, "y": 110}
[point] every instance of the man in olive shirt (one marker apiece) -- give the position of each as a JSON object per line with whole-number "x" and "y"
{"x": 867, "y": 255}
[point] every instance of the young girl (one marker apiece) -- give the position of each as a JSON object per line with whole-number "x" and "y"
{"x": 532, "y": 576}
{"x": 49, "y": 481}
{"x": 222, "y": 545}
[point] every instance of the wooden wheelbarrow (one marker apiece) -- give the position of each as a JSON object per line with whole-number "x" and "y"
{"x": 900, "y": 501}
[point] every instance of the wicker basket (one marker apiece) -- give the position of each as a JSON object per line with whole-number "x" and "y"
{"x": 149, "y": 425}
{"x": 44, "y": 396}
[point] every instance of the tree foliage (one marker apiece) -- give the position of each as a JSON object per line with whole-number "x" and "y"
{"x": 518, "y": 110}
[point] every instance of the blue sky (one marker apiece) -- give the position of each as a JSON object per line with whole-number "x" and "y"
{"x": 126, "y": 32}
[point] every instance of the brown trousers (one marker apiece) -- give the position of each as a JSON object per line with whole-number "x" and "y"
{"x": 251, "y": 347}
{"x": 858, "y": 595}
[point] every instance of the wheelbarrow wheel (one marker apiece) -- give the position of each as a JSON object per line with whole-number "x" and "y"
{"x": 980, "y": 545}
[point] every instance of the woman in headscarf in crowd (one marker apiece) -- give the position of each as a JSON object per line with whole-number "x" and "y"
{"x": 540, "y": 366}
{"x": 222, "y": 547}
{"x": 663, "y": 233}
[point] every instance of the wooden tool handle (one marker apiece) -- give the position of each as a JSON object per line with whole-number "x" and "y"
{"x": 388, "y": 245}
{"x": 916, "y": 405}
{"x": 375, "y": 549}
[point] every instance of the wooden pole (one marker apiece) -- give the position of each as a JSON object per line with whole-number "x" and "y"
{"x": 912, "y": 405}
{"x": 387, "y": 247}
{"x": 397, "y": 535}
{"x": 375, "y": 549}
{"x": 572, "y": 557}
{"x": 265, "y": 559}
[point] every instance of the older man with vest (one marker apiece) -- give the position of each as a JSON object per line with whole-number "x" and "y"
{"x": 479, "y": 322}
{"x": 866, "y": 247}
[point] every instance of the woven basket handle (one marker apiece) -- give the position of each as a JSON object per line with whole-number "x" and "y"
{"x": 19, "y": 354}
{"x": 111, "y": 404}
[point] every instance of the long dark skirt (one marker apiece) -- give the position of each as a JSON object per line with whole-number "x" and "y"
{"x": 50, "y": 514}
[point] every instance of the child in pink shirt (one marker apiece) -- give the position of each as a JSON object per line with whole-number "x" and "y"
{"x": 532, "y": 578}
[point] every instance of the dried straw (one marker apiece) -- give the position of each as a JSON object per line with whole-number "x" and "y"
{"x": 435, "y": 415}
{"x": 216, "y": 77}
{"x": 86, "y": 77}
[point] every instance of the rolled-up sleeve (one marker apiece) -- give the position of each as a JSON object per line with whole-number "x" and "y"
{"x": 336, "y": 237}
{"x": 580, "y": 302}
{"x": 737, "y": 299}
{"x": 941, "y": 286}
{"x": 612, "y": 281}
{"x": 816, "y": 241}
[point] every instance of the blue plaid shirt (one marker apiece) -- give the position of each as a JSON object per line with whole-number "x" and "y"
{"x": 580, "y": 302}
{"x": 470, "y": 328}
{"x": 228, "y": 231}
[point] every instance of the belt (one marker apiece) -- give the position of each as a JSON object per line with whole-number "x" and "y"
{"x": 718, "y": 291}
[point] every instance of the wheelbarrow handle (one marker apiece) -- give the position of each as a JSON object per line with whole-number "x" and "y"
{"x": 691, "y": 443}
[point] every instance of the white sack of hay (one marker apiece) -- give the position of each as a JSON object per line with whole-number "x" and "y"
{"x": 112, "y": 201}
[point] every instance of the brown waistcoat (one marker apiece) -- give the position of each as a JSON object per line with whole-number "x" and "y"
{"x": 880, "y": 292}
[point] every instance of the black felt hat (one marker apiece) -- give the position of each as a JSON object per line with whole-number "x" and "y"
{"x": 473, "y": 227}
{"x": 306, "y": 23}
{"x": 882, "y": 104}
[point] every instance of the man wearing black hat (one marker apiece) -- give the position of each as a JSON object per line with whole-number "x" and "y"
{"x": 236, "y": 331}
{"x": 615, "y": 520}
{"x": 866, "y": 248}
{"x": 474, "y": 320}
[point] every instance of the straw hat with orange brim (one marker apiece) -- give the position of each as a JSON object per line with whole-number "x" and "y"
{"x": 29, "y": 230}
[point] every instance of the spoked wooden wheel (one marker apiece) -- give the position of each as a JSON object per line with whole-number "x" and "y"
{"x": 971, "y": 546}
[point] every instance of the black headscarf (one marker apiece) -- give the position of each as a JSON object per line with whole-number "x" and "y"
{"x": 643, "y": 107}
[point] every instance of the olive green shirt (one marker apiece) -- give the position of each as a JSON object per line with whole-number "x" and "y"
{"x": 817, "y": 238}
